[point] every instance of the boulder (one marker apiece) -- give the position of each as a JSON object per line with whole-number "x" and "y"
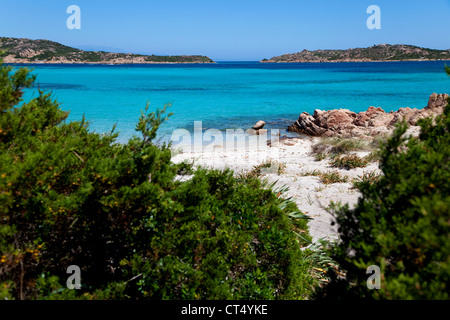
{"x": 305, "y": 124}
{"x": 362, "y": 120}
{"x": 373, "y": 111}
{"x": 338, "y": 119}
{"x": 437, "y": 100}
{"x": 366, "y": 123}
{"x": 259, "y": 125}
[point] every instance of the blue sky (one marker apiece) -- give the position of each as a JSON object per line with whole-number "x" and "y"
{"x": 228, "y": 30}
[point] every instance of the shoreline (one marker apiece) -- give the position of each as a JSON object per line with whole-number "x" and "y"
{"x": 300, "y": 165}
{"x": 358, "y": 61}
{"x": 311, "y": 196}
{"x": 208, "y": 63}
{"x": 295, "y": 155}
{"x": 100, "y": 64}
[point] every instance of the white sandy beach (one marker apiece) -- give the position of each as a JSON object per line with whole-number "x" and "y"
{"x": 311, "y": 196}
{"x": 309, "y": 193}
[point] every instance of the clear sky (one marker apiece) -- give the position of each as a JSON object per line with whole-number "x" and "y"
{"x": 228, "y": 30}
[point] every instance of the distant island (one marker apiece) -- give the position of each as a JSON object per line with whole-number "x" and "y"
{"x": 381, "y": 52}
{"x": 20, "y": 50}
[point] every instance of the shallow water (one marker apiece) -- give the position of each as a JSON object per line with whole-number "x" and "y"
{"x": 232, "y": 95}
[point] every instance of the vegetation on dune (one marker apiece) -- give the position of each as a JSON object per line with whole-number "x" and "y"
{"x": 330, "y": 177}
{"x": 266, "y": 167}
{"x": 74, "y": 197}
{"x": 349, "y": 162}
{"x": 339, "y": 151}
{"x": 339, "y": 146}
{"x": 369, "y": 177}
{"x": 327, "y": 177}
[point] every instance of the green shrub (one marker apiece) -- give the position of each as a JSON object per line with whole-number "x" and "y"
{"x": 320, "y": 156}
{"x": 373, "y": 156}
{"x": 369, "y": 178}
{"x": 349, "y": 161}
{"x": 327, "y": 177}
{"x": 185, "y": 168}
{"x": 330, "y": 177}
{"x": 401, "y": 221}
{"x": 73, "y": 197}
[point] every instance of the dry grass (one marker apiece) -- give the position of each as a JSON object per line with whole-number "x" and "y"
{"x": 330, "y": 177}
{"x": 370, "y": 177}
{"x": 320, "y": 156}
{"x": 340, "y": 145}
{"x": 267, "y": 167}
{"x": 314, "y": 173}
{"x": 326, "y": 177}
{"x": 349, "y": 162}
{"x": 338, "y": 150}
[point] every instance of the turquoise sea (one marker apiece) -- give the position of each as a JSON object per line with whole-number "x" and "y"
{"x": 231, "y": 95}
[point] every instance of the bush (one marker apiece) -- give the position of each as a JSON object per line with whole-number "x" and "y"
{"x": 327, "y": 177}
{"x": 185, "y": 168}
{"x": 330, "y": 177}
{"x": 370, "y": 177}
{"x": 401, "y": 221}
{"x": 349, "y": 161}
{"x": 73, "y": 197}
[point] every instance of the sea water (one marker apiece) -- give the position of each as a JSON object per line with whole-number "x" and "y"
{"x": 232, "y": 95}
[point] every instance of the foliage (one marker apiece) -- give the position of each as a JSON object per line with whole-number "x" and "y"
{"x": 46, "y": 50}
{"x": 332, "y": 177}
{"x": 185, "y": 168}
{"x": 370, "y": 177}
{"x": 349, "y": 161}
{"x": 320, "y": 156}
{"x": 401, "y": 221}
{"x": 327, "y": 177}
{"x": 74, "y": 197}
{"x": 375, "y": 53}
{"x": 373, "y": 156}
{"x": 321, "y": 263}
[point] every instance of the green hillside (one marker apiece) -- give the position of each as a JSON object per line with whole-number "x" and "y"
{"x": 19, "y": 50}
{"x": 382, "y": 52}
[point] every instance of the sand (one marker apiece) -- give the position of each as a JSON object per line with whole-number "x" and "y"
{"x": 311, "y": 196}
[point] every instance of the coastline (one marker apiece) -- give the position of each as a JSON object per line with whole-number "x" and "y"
{"x": 310, "y": 195}
{"x": 357, "y": 61}
{"x": 300, "y": 163}
{"x": 297, "y": 157}
{"x": 295, "y": 154}
{"x": 101, "y": 63}
{"x": 206, "y": 63}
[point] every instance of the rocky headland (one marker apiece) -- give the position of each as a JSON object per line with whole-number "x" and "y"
{"x": 20, "y": 50}
{"x": 381, "y": 52}
{"x": 365, "y": 124}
